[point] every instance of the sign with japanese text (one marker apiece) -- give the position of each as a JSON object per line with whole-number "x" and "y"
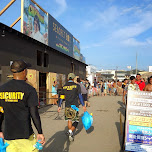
{"x": 59, "y": 38}
{"x": 139, "y": 121}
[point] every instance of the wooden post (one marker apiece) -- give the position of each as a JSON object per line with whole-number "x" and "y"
{"x": 15, "y": 22}
{"x": 33, "y": 78}
{"x": 7, "y": 6}
{"x": 51, "y": 77}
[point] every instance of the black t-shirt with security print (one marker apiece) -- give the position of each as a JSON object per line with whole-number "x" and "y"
{"x": 16, "y": 96}
{"x": 71, "y": 91}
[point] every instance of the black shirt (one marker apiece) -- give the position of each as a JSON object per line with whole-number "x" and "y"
{"x": 95, "y": 84}
{"x": 71, "y": 91}
{"x": 16, "y": 96}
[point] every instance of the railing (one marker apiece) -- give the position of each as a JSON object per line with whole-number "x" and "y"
{"x": 46, "y": 97}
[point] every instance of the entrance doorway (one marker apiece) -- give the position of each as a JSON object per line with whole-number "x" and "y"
{"x": 42, "y": 88}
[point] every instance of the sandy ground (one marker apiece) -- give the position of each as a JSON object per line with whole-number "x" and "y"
{"x": 103, "y": 136}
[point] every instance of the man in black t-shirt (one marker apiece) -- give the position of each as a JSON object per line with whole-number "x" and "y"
{"x": 71, "y": 92}
{"x": 19, "y": 101}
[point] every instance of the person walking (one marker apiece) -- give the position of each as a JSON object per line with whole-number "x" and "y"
{"x": 115, "y": 88}
{"x": 20, "y": 103}
{"x": 54, "y": 93}
{"x": 105, "y": 88}
{"x": 109, "y": 87}
{"x": 84, "y": 92}
{"x": 140, "y": 83}
{"x": 71, "y": 92}
{"x": 148, "y": 87}
{"x": 95, "y": 87}
{"x": 102, "y": 88}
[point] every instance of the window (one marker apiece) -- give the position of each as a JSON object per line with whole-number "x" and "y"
{"x": 39, "y": 58}
{"x": 46, "y": 60}
{"x": 72, "y": 67}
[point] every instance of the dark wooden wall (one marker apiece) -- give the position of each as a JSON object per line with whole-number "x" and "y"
{"x": 15, "y": 45}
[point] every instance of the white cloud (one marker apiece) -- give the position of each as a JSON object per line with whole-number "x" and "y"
{"x": 91, "y": 46}
{"x": 135, "y": 29}
{"x": 103, "y": 18}
{"x": 132, "y": 22}
{"x": 130, "y": 9}
{"x": 61, "y": 8}
{"x": 132, "y": 42}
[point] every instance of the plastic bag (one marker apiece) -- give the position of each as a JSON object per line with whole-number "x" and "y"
{"x": 38, "y": 145}
{"x": 87, "y": 120}
{"x": 74, "y": 107}
{"x": 2, "y": 145}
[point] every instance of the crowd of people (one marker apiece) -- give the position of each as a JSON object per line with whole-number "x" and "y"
{"x": 19, "y": 104}
{"x": 113, "y": 87}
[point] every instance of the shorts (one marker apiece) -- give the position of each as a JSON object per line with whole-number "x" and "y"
{"x": 22, "y": 145}
{"x": 109, "y": 89}
{"x": 105, "y": 90}
{"x": 94, "y": 89}
{"x": 114, "y": 90}
{"x": 85, "y": 97}
{"x": 71, "y": 114}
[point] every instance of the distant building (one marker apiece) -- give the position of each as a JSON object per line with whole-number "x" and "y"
{"x": 91, "y": 73}
{"x": 106, "y": 75}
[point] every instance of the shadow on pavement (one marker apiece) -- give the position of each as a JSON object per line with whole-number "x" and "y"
{"x": 79, "y": 127}
{"x": 120, "y": 131}
{"x": 58, "y": 142}
{"x": 122, "y": 108}
{"x": 90, "y": 130}
{"x": 44, "y": 109}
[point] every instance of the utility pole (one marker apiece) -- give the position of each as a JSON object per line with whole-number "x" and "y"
{"x": 116, "y": 75}
{"x": 136, "y": 63}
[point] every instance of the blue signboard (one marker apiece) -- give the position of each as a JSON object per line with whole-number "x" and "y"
{"x": 76, "y": 49}
{"x": 59, "y": 38}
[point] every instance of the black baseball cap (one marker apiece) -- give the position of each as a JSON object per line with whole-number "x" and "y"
{"x": 19, "y": 65}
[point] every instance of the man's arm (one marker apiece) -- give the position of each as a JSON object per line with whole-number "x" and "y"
{"x": 37, "y": 122}
{"x": 145, "y": 88}
{"x": 81, "y": 101}
{"x": 144, "y": 85}
{"x": 60, "y": 103}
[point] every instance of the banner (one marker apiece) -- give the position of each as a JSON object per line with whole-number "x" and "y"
{"x": 76, "y": 49}
{"x": 83, "y": 59}
{"x": 34, "y": 21}
{"x": 129, "y": 67}
{"x": 138, "y": 135}
{"x": 59, "y": 38}
{"x": 150, "y": 68}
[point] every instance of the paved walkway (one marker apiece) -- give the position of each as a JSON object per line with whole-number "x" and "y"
{"x": 103, "y": 136}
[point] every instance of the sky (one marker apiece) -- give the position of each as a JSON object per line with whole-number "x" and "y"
{"x": 111, "y": 32}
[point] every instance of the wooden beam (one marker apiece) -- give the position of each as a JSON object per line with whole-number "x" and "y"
{"x": 7, "y": 6}
{"x": 15, "y": 21}
{"x": 76, "y": 39}
{"x": 39, "y": 6}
